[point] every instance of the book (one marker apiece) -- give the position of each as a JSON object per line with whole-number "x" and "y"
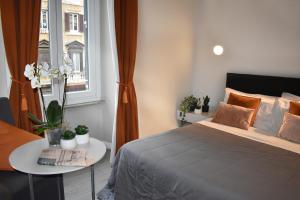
{"x": 63, "y": 157}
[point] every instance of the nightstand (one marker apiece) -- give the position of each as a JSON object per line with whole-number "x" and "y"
{"x": 192, "y": 117}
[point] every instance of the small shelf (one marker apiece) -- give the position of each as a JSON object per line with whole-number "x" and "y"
{"x": 192, "y": 117}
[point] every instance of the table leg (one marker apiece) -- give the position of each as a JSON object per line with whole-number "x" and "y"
{"x": 31, "y": 189}
{"x": 93, "y": 182}
{"x": 60, "y": 187}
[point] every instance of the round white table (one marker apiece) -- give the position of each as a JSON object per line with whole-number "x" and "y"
{"x": 24, "y": 159}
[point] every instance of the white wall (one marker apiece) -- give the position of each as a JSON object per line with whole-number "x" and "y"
{"x": 99, "y": 117}
{"x": 259, "y": 37}
{"x": 164, "y": 61}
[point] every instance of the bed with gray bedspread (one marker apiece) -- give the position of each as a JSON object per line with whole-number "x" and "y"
{"x": 199, "y": 162}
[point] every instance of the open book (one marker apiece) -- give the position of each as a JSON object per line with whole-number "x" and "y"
{"x": 62, "y": 157}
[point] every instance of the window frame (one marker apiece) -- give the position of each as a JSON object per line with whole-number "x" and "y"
{"x": 93, "y": 93}
{"x": 72, "y": 22}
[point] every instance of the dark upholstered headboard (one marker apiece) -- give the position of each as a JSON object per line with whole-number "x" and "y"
{"x": 267, "y": 85}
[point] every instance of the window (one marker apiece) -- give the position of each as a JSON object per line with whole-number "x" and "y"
{"x": 44, "y": 21}
{"x": 74, "y": 22}
{"x": 69, "y": 36}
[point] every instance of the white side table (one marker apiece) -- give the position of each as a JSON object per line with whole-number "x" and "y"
{"x": 24, "y": 159}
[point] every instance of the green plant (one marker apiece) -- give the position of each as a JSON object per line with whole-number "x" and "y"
{"x": 206, "y": 100}
{"x": 68, "y": 135}
{"x": 188, "y": 104}
{"x": 81, "y": 130}
{"x": 53, "y": 115}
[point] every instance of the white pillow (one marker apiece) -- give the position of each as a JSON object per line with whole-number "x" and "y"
{"x": 281, "y": 106}
{"x": 290, "y": 96}
{"x": 264, "y": 120}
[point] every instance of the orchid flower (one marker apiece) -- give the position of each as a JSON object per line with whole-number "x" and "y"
{"x": 35, "y": 83}
{"x": 29, "y": 71}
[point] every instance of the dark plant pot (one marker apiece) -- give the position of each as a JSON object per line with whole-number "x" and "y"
{"x": 54, "y": 136}
{"x": 205, "y": 108}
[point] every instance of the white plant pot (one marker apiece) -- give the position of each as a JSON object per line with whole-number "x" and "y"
{"x": 68, "y": 144}
{"x": 198, "y": 111}
{"x": 83, "y": 139}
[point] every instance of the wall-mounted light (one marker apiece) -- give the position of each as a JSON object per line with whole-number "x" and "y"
{"x": 218, "y": 50}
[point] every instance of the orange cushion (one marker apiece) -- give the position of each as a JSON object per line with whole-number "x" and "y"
{"x": 246, "y": 102}
{"x": 10, "y": 138}
{"x": 294, "y": 107}
{"x": 235, "y": 116}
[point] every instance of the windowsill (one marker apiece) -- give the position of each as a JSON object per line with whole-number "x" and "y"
{"x": 85, "y": 104}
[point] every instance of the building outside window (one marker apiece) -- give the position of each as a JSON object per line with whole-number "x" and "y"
{"x": 44, "y": 21}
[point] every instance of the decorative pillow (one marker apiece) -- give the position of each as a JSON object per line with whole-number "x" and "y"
{"x": 263, "y": 119}
{"x": 294, "y": 107}
{"x": 290, "y": 129}
{"x": 246, "y": 102}
{"x": 263, "y": 97}
{"x": 290, "y": 96}
{"x": 232, "y": 115}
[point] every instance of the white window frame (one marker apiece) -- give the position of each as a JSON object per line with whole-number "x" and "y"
{"x": 93, "y": 93}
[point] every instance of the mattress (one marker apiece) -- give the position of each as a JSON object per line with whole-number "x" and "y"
{"x": 203, "y": 161}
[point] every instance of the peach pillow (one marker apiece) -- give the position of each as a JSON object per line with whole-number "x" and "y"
{"x": 235, "y": 116}
{"x": 10, "y": 138}
{"x": 246, "y": 102}
{"x": 290, "y": 128}
{"x": 294, "y": 107}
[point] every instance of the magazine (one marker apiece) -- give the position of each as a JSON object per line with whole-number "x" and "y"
{"x": 62, "y": 157}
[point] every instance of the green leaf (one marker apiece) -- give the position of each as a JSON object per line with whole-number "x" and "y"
{"x": 35, "y": 119}
{"x": 54, "y": 113}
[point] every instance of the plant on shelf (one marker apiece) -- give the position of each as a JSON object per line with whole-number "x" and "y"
{"x": 54, "y": 114}
{"x": 205, "y": 107}
{"x": 68, "y": 140}
{"x": 189, "y": 104}
{"x": 82, "y": 134}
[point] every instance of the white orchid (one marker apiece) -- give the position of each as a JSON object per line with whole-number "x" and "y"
{"x": 65, "y": 70}
{"x": 68, "y": 60}
{"x": 29, "y": 71}
{"x": 35, "y": 83}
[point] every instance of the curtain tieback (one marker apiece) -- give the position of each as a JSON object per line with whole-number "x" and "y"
{"x": 125, "y": 92}
{"x": 24, "y": 106}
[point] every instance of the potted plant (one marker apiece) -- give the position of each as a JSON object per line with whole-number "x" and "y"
{"x": 67, "y": 140}
{"x": 198, "y": 107}
{"x": 205, "y": 107}
{"x": 188, "y": 104}
{"x": 82, "y": 134}
{"x": 52, "y": 122}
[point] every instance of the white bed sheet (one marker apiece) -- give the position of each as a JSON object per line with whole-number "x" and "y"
{"x": 256, "y": 135}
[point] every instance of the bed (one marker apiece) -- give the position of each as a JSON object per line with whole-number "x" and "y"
{"x": 211, "y": 161}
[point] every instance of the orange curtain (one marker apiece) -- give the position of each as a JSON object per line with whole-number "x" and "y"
{"x": 20, "y": 25}
{"x": 126, "y": 23}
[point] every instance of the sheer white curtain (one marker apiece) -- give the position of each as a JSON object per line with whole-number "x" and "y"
{"x": 112, "y": 36}
{"x": 5, "y": 81}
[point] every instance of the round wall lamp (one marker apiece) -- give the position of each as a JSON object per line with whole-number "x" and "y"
{"x": 218, "y": 50}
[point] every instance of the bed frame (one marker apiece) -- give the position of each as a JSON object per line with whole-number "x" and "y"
{"x": 259, "y": 84}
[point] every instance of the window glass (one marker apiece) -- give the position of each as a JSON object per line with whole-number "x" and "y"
{"x": 44, "y": 45}
{"x": 74, "y": 43}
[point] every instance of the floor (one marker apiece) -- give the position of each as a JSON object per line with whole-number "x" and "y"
{"x": 77, "y": 184}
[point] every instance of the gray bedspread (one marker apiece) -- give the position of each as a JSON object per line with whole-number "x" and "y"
{"x": 198, "y": 162}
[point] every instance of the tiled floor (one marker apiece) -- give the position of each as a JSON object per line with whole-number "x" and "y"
{"x": 77, "y": 185}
